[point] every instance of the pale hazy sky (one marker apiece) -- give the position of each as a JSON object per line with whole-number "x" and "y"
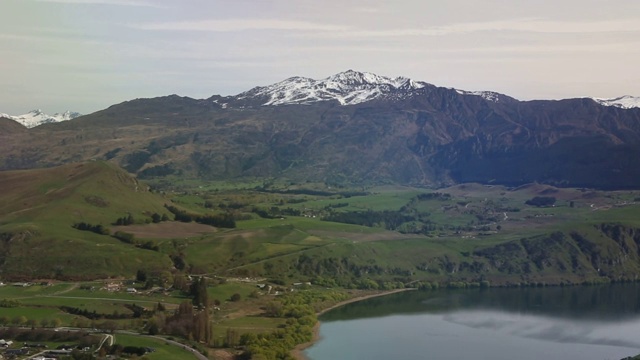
{"x": 85, "y": 55}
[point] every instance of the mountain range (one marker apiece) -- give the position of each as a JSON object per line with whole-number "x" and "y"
{"x": 352, "y": 127}
{"x": 36, "y": 117}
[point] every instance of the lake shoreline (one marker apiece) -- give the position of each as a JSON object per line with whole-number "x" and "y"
{"x": 298, "y": 351}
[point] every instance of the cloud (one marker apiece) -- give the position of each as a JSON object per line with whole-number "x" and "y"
{"x": 543, "y": 49}
{"x": 530, "y": 25}
{"x": 241, "y": 25}
{"x": 106, "y": 2}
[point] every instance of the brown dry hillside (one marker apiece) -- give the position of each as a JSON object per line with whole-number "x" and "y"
{"x": 9, "y": 127}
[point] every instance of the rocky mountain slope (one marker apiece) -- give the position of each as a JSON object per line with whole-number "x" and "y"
{"x": 351, "y": 127}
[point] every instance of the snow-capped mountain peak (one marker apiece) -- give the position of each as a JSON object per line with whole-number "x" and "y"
{"x": 348, "y": 88}
{"x": 37, "y": 117}
{"x": 624, "y": 102}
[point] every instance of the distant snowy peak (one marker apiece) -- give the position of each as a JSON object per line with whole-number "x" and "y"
{"x": 487, "y": 95}
{"x": 624, "y": 102}
{"x": 348, "y": 88}
{"x": 37, "y": 117}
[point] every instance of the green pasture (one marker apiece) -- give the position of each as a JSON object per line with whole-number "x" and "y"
{"x": 246, "y": 325}
{"x": 223, "y": 292}
{"x": 163, "y": 350}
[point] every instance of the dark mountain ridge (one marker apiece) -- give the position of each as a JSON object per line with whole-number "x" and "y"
{"x": 375, "y": 131}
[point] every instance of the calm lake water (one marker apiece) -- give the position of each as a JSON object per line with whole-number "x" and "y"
{"x": 568, "y": 323}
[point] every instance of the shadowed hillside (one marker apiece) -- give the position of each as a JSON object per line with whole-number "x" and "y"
{"x": 430, "y": 137}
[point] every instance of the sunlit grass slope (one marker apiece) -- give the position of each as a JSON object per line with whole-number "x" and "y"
{"x": 38, "y": 209}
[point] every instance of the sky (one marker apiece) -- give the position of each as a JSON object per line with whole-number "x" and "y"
{"x": 85, "y": 55}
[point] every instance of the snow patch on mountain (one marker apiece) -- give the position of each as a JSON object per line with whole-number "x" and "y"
{"x": 624, "y": 102}
{"x": 348, "y": 88}
{"x": 487, "y": 95}
{"x": 37, "y": 117}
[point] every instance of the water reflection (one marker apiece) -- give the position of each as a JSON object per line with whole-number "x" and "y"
{"x": 606, "y": 302}
{"x": 551, "y": 329}
{"x": 558, "y": 323}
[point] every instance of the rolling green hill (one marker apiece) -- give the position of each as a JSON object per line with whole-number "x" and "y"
{"x": 39, "y": 207}
{"x": 379, "y": 238}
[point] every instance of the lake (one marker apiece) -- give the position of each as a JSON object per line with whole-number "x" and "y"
{"x": 581, "y": 322}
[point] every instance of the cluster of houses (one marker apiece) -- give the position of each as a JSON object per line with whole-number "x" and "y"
{"x": 40, "y": 349}
{"x": 27, "y": 284}
{"x": 11, "y": 353}
{"x": 269, "y": 288}
{"x": 116, "y": 287}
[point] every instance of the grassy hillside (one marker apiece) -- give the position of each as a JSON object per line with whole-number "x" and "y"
{"x": 365, "y": 237}
{"x": 393, "y": 234}
{"x": 39, "y": 207}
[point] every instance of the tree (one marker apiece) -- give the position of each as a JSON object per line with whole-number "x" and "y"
{"x": 232, "y": 338}
{"x": 19, "y": 320}
{"x": 156, "y": 218}
{"x": 153, "y": 329}
{"x": 274, "y": 309}
{"x": 180, "y": 283}
{"x": 185, "y": 308}
{"x": 199, "y": 292}
{"x": 160, "y": 307}
{"x": 541, "y": 201}
{"x": 109, "y": 325}
{"x": 235, "y": 297}
{"x": 141, "y": 275}
{"x": 202, "y": 327}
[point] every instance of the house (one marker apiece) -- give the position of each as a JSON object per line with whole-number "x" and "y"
{"x": 4, "y": 343}
{"x": 113, "y": 287}
{"x": 131, "y": 290}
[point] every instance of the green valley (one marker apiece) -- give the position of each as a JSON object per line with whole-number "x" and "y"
{"x": 100, "y": 249}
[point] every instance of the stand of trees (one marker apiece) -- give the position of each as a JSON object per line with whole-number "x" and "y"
{"x": 98, "y": 229}
{"x": 225, "y": 220}
{"x": 136, "y": 312}
{"x": 541, "y": 201}
{"x": 125, "y": 220}
{"x": 130, "y": 239}
{"x": 300, "y": 313}
{"x": 48, "y": 335}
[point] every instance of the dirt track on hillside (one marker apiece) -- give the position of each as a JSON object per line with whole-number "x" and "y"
{"x": 363, "y": 237}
